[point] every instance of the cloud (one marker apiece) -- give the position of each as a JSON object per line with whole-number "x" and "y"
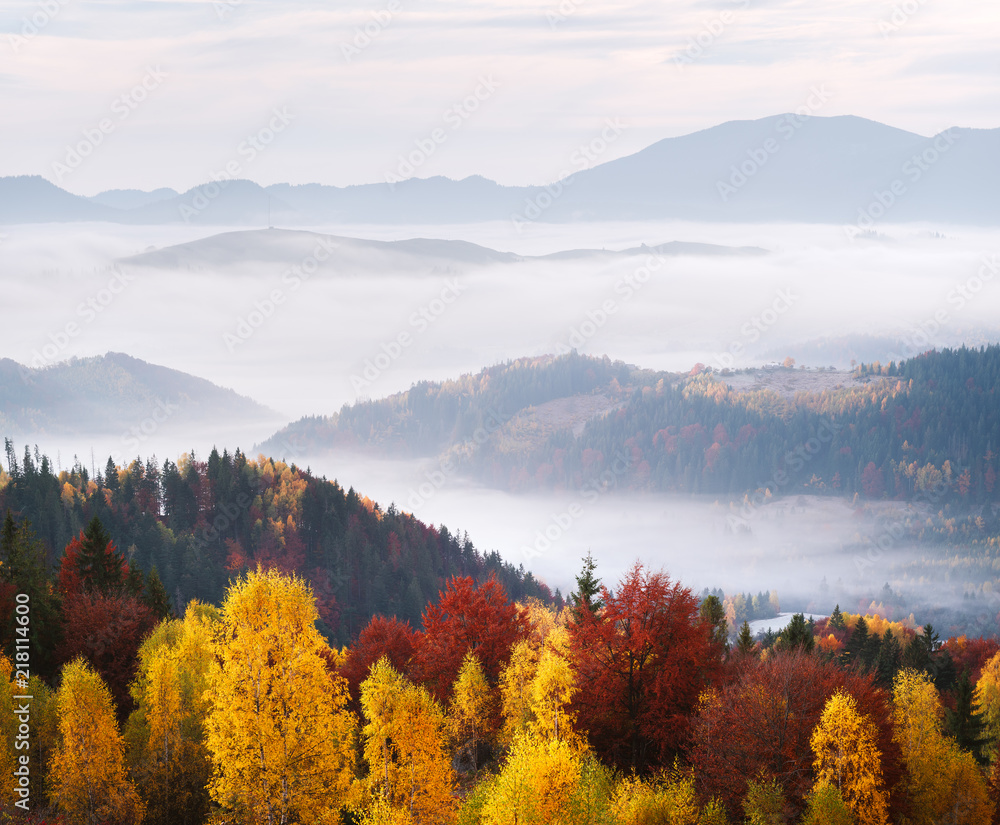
{"x": 565, "y": 65}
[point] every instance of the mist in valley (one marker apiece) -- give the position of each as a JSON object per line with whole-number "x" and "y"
{"x": 304, "y": 324}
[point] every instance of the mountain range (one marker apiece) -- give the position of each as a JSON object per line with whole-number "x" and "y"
{"x": 843, "y": 169}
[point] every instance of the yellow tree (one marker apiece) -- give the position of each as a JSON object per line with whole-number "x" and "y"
{"x": 515, "y": 690}
{"x": 405, "y": 747}
{"x": 943, "y": 783}
{"x": 278, "y": 730}
{"x": 553, "y": 688}
{"x": 537, "y": 784}
{"x": 847, "y": 757}
{"x": 987, "y": 699}
{"x": 470, "y": 707}
{"x": 87, "y": 778}
{"x": 166, "y": 731}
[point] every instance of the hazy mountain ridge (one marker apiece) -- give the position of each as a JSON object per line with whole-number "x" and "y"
{"x": 709, "y": 432}
{"x": 784, "y": 167}
{"x": 238, "y": 249}
{"x": 110, "y": 393}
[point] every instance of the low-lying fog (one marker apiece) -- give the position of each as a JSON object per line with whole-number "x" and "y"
{"x": 297, "y": 355}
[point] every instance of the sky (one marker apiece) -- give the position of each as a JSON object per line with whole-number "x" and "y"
{"x": 168, "y": 92}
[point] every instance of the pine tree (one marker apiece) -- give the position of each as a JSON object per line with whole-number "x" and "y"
{"x": 23, "y": 569}
{"x": 837, "y": 619}
{"x": 966, "y": 724}
{"x": 100, "y": 565}
{"x": 888, "y": 659}
{"x": 714, "y": 615}
{"x": 798, "y": 634}
{"x": 854, "y": 650}
{"x": 588, "y": 589}
{"x": 744, "y": 642}
{"x": 155, "y": 596}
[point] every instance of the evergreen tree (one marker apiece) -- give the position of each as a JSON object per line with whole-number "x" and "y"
{"x": 588, "y": 589}
{"x": 966, "y": 724}
{"x": 798, "y": 634}
{"x": 744, "y": 641}
{"x": 855, "y": 647}
{"x": 23, "y": 569}
{"x": 714, "y": 614}
{"x": 99, "y": 563}
{"x": 837, "y": 619}
{"x": 887, "y": 662}
{"x": 156, "y": 597}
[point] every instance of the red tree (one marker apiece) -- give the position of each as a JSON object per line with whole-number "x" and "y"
{"x": 760, "y": 724}
{"x": 871, "y": 481}
{"x": 391, "y": 638}
{"x": 106, "y": 630}
{"x": 642, "y": 662}
{"x": 104, "y": 617}
{"x": 467, "y": 617}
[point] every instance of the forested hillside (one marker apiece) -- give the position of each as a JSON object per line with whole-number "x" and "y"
{"x": 431, "y": 416}
{"x": 630, "y": 706}
{"x": 927, "y": 428}
{"x": 200, "y": 522}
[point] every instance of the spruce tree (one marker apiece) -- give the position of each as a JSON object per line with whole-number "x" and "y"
{"x": 588, "y": 589}
{"x": 854, "y": 649}
{"x": 798, "y": 634}
{"x": 966, "y": 724}
{"x": 744, "y": 641}
{"x": 156, "y": 597}
{"x": 887, "y": 661}
{"x": 837, "y": 619}
{"x": 100, "y": 563}
{"x": 714, "y": 614}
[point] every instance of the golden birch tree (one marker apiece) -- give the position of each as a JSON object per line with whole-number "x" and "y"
{"x": 278, "y": 730}
{"x": 88, "y": 779}
{"x": 847, "y": 757}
